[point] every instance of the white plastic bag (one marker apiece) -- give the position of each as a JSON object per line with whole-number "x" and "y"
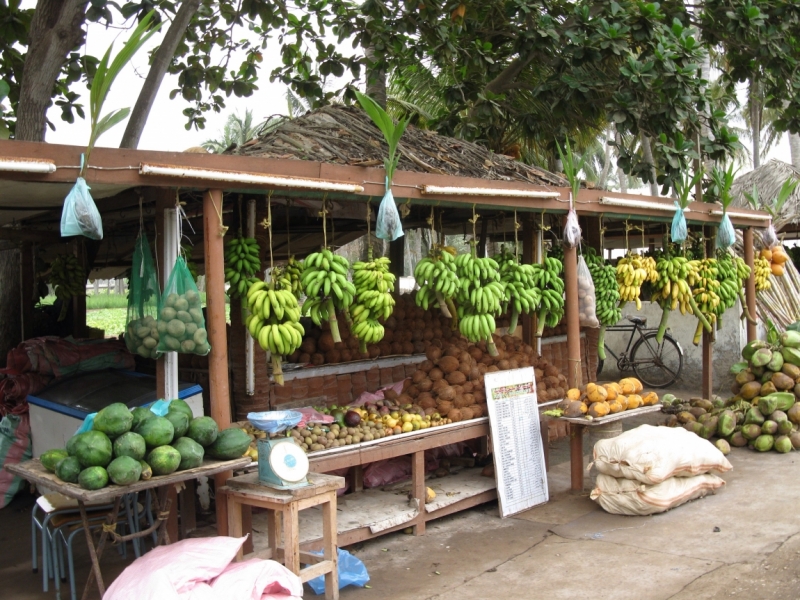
{"x": 572, "y": 230}
{"x": 80, "y": 215}
{"x": 587, "y": 302}
{"x": 769, "y": 237}
{"x": 726, "y": 235}
{"x": 626, "y": 497}
{"x": 388, "y": 226}
{"x": 654, "y": 454}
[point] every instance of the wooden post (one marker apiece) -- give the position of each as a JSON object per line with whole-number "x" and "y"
{"x": 708, "y": 337}
{"x": 573, "y": 360}
{"x": 26, "y": 287}
{"x": 397, "y": 254}
{"x": 528, "y": 257}
{"x": 164, "y": 199}
{"x": 219, "y": 392}
{"x": 750, "y": 285}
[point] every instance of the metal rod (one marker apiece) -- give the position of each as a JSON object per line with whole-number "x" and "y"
{"x": 249, "y": 352}
{"x": 750, "y": 284}
{"x": 171, "y": 245}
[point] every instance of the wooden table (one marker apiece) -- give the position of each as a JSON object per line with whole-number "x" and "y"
{"x": 576, "y": 427}
{"x": 34, "y": 472}
{"x": 285, "y": 505}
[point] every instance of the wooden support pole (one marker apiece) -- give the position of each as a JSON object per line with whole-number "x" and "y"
{"x": 574, "y": 378}
{"x": 750, "y": 285}
{"x": 708, "y": 336}
{"x": 26, "y": 287}
{"x": 219, "y": 392}
{"x": 528, "y": 257}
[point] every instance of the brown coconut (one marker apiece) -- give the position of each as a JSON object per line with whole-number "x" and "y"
{"x": 444, "y": 406}
{"x": 448, "y": 364}
{"x": 325, "y": 342}
{"x": 439, "y": 384}
{"x": 467, "y": 413}
{"x": 446, "y": 393}
{"x": 418, "y": 376}
{"x": 425, "y": 365}
{"x": 424, "y": 385}
{"x": 434, "y": 353}
{"x": 427, "y": 402}
{"x": 456, "y": 378}
{"x": 454, "y": 415}
{"x": 435, "y": 374}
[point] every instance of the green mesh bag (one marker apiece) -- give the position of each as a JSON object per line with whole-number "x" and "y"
{"x": 181, "y": 326}
{"x": 141, "y": 333}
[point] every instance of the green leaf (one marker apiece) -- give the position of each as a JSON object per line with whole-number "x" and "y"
{"x": 110, "y": 120}
{"x": 379, "y": 116}
{"x": 4, "y": 89}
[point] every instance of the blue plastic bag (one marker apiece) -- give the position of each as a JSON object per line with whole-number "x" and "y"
{"x": 726, "y": 236}
{"x": 351, "y": 572}
{"x": 80, "y": 215}
{"x": 388, "y": 225}
{"x": 274, "y": 421}
{"x": 678, "y": 232}
{"x": 87, "y": 424}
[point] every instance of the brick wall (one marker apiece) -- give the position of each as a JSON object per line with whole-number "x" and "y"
{"x": 556, "y": 353}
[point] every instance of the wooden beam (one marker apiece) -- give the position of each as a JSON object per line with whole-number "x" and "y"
{"x": 28, "y": 235}
{"x": 219, "y": 392}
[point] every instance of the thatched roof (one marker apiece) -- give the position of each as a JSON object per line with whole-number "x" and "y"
{"x": 346, "y": 136}
{"x": 768, "y": 179}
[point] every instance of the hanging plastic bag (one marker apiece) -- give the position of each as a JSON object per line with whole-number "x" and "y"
{"x": 679, "y": 231}
{"x": 769, "y": 237}
{"x": 181, "y": 326}
{"x": 141, "y": 333}
{"x": 388, "y": 225}
{"x": 80, "y": 215}
{"x": 572, "y": 230}
{"x": 351, "y": 572}
{"x": 587, "y": 302}
{"x": 726, "y": 236}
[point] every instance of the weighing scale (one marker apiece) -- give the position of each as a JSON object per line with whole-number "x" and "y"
{"x": 282, "y": 464}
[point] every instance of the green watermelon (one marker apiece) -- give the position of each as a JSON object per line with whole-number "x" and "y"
{"x": 230, "y": 443}
{"x": 68, "y": 469}
{"x": 130, "y": 444}
{"x": 204, "y": 430}
{"x": 157, "y": 431}
{"x": 140, "y": 415}
{"x": 191, "y": 453}
{"x": 51, "y": 458}
{"x": 179, "y": 421}
{"x": 181, "y": 405}
{"x": 71, "y": 442}
{"x": 93, "y": 449}
{"x": 124, "y": 470}
{"x": 164, "y": 460}
{"x": 93, "y": 478}
{"x": 114, "y": 420}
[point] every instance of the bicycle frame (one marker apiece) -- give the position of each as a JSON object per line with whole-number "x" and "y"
{"x": 623, "y": 362}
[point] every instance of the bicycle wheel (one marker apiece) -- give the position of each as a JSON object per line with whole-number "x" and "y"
{"x": 657, "y": 365}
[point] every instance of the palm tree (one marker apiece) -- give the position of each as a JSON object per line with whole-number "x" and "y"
{"x": 237, "y": 132}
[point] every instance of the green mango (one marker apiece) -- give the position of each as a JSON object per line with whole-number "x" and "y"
{"x": 783, "y": 444}
{"x": 754, "y": 417}
{"x": 790, "y": 339}
{"x": 726, "y": 423}
{"x": 791, "y": 356}
{"x": 751, "y": 347}
{"x": 723, "y": 446}
{"x": 784, "y": 400}
{"x": 768, "y": 404}
{"x": 757, "y": 371}
{"x": 761, "y": 357}
{"x": 776, "y": 363}
{"x": 764, "y": 443}
{"x": 738, "y": 440}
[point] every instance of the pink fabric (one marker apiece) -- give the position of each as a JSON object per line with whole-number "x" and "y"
{"x": 257, "y": 579}
{"x": 366, "y": 397}
{"x": 312, "y": 416}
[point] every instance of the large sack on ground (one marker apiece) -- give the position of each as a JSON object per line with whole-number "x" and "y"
{"x": 654, "y": 454}
{"x": 627, "y": 497}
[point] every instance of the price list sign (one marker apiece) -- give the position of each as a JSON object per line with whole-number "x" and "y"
{"x": 516, "y": 440}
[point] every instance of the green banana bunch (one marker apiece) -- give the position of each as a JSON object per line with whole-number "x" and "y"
{"x": 742, "y": 275}
{"x": 763, "y": 270}
{"x": 327, "y": 289}
{"x": 706, "y": 289}
{"x": 437, "y": 280}
{"x": 606, "y": 290}
{"x": 729, "y": 286}
{"x": 294, "y": 270}
{"x": 242, "y": 262}
{"x": 274, "y": 320}
{"x": 69, "y": 279}
{"x": 522, "y": 295}
{"x": 549, "y": 281}
{"x": 480, "y": 295}
{"x": 374, "y": 286}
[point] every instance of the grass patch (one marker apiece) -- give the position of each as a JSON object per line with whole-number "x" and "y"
{"x": 114, "y": 320}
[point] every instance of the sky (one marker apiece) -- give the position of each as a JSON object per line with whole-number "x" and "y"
{"x": 165, "y": 126}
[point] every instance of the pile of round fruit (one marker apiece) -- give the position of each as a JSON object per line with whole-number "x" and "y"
{"x": 125, "y": 446}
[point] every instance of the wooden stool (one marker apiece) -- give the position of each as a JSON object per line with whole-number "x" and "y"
{"x": 247, "y": 490}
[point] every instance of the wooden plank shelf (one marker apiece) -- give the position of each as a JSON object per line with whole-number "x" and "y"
{"x": 625, "y": 414}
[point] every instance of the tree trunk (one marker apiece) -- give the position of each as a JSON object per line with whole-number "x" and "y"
{"x": 603, "y": 179}
{"x": 10, "y": 298}
{"x": 376, "y": 79}
{"x": 755, "y": 122}
{"x": 161, "y": 61}
{"x": 623, "y": 178}
{"x": 56, "y": 29}
{"x": 794, "y": 148}
{"x": 647, "y": 152}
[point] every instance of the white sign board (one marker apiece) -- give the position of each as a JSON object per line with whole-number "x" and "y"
{"x": 516, "y": 440}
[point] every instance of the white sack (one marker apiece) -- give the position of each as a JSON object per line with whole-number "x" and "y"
{"x": 626, "y": 497}
{"x": 654, "y": 454}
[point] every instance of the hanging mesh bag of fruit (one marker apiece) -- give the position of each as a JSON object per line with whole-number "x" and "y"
{"x": 181, "y": 325}
{"x": 141, "y": 331}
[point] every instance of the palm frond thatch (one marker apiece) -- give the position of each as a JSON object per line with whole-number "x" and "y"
{"x": 768, "y": 179}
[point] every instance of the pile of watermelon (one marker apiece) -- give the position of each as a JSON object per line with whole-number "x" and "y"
{"x": 125, "y": 446}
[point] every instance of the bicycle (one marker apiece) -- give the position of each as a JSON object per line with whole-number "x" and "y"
{"x": 656, "y": 365}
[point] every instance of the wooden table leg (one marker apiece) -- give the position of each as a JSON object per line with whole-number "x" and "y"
{"x": 291, "y": 538}
{"x": 358, "y": 478}
{"x": 247, "y": 527}
{"x": 96, "y": 553}
{"x": 576, "y": 456}
{"x": 235, "y": 522}
{"x": 274, "y": 532}
{"x": 172, "y": 521}
{"x": 187, "y": 499}
{"x": 163, "y": 504}
{"x": 418, "y": 489}
{"x": 329, "y": 550}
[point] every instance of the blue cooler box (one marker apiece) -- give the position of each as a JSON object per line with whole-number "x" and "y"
{"x": 58, "y": 411}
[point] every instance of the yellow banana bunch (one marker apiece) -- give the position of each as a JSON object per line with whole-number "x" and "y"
{"x": 242, "y": 262}
{"x": 763, "y": 270}
{"x": 480, "y": 295}
{"x": 69, "y": 279}
{"x": 706, "y": 289}
{"x": 742, "y": 275}
{"x": 374, "y": 286}
{"x": 274, "y": 320}
{"x": 327, "y": 288}
{"x": 436, "y": 276}
{"x": 632, "y": 271}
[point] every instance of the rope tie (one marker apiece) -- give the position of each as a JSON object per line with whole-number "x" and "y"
{"x": 162, "y": 515}
{"x": 112, "y": 528}
{"x": 222, "y": 228}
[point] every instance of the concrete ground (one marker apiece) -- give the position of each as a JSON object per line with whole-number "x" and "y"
{"x": 743, "y": 542}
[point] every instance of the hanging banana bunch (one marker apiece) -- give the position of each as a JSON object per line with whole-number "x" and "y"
{"x": 706, "y": 289}
{"x": 373, "y": 299}
{"x": 729, "y": 287}
{"x": 69, "y": 280}
{"x": 604, "y": 277}
{"x": 521, "y": 293}
{"x": 549, "y": 281}
{"x": 742, "y": 275}
{"x": 763, "y": 270}
{"x": 327, "y": 289}
{"x": 274, "y": 320}
{"x": 294, "y": 270}
{"x": 672, "y": 290}
{"x": 437, "y": 280}
{"x": 632, "y": 272}
{"x": 479, "y": 297}
{"x": 242, "y": 262}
